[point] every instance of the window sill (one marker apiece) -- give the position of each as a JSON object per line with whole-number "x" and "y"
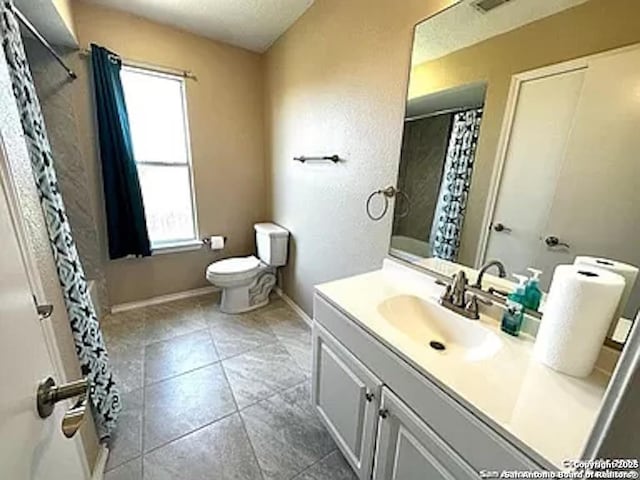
{"x": 177, "y": 247}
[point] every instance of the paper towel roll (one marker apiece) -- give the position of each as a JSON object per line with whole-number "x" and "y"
{"x": 576, "y": 317}
{"x": 216, "y": 242}
{"x": 628, "y": 272}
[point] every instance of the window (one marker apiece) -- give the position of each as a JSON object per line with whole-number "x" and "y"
{"x": 158, "y": 121}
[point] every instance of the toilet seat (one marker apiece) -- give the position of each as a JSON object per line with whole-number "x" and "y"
{"x": 233, "y": 270}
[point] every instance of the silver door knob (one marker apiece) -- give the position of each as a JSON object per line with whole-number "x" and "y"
{"x": 499, "y": 227}
{"x": 49, "y": 394}
{"x": 553, "y": 241}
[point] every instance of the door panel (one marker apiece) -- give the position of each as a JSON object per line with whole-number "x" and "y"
{"x": 542, "y": 121}
{"x": 30, "y": 448}
{"x": 407, "y": 449}
{"x": 595, "y": 206}
{"x": 346, "y": 395}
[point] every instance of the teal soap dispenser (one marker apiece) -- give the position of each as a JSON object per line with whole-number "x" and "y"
{"x": 532, "y": 292}
{"x": 514, "y": 308}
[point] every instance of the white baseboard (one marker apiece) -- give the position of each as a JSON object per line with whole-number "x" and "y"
{"x": 294, "y": 306}
{"x": 101, "y": 463}
{"x": 123, "y": 307}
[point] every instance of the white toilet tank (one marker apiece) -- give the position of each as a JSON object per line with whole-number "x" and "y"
{"x": 272, "y": 241}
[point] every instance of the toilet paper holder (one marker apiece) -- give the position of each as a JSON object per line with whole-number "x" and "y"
{"x": 207, "y": 240}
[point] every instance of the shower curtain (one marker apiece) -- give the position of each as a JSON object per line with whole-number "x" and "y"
{"x": 456, "y": 181}
{"x": 89, "y": 344}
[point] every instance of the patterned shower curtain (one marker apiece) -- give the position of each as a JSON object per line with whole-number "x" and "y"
{"x": 90, "y": 348}
{"x": 456, "y": 181}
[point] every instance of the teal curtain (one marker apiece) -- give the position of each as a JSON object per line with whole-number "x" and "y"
{"x": 126, "y": 222}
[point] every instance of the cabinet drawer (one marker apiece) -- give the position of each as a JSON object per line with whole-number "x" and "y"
{"x": 480, "y": 445}
{"x": 347, "y": 397}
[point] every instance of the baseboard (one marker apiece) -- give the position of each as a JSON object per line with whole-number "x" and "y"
{"x": 294, "y": 306}
{"x": 101, "y": 463}
{"x": 123, "y": 307}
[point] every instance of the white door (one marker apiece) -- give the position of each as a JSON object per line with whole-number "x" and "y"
{"x": 595, "y": 207}
{"x": 346, "y": 395}
{"x": 407, "y": 449}
{"x": 572, "y": 170}
{"x": 30, "y": 448}
{"x": 540, "y": 130}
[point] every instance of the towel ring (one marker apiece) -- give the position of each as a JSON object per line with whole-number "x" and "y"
{"x": 387, "y": 193}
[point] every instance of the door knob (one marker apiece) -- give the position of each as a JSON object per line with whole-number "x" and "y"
{"x": 499, "y": 227}
{"x": 553, "y": 241}
{"x": 49, "y": 394}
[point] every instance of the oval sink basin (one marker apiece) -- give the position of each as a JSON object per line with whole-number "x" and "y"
{"x": 432, "y": 325}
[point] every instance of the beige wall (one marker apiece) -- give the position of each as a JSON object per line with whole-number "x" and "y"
{"x": 336, "y": 83}
{"x": 225, "y": 107}
{"x": 592, "y": 27}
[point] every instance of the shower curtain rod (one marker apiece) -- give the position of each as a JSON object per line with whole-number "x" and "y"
{"x": 38, "y": 36}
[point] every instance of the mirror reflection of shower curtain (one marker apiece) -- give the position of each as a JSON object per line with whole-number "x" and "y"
{"x": 456, "y": 181}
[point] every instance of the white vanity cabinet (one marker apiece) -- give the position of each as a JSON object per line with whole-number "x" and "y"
{"x": 347, "y": 397}
{"x": 407, "y": 449}
{"x": 374, "y": 403}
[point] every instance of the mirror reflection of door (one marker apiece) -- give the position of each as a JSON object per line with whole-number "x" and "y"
{"x": 571, "y": 170}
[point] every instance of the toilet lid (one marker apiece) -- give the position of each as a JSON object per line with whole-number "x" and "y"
{"x": 234, "y": 265}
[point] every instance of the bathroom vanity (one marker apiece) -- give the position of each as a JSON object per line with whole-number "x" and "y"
{"x": 399, "y": 408}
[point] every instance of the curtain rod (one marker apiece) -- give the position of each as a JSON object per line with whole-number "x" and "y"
{"x": 38, "y": 36}
{"x": 147, "y": 66}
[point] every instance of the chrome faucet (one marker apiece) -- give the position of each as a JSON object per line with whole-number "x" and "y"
{"x": 456, "y": 297}
{"x": 502, "y": 272}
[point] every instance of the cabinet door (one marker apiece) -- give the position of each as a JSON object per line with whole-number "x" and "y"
{"x": 407, "y": 449}
{"x": 347, "y": 397}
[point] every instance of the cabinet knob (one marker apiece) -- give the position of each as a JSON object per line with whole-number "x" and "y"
{"x": 384, "y": 413}
{"x": 369, "y": 396}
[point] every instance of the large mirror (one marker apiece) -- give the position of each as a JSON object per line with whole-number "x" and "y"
{"x": 522, "y": 139}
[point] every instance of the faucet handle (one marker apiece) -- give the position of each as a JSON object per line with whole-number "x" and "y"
{"x": 472, "y": 305}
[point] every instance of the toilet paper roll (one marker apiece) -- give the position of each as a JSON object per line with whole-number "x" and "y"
{"x": 216, "y": 242}
{"x": 628, "y": 272}
{"x": 576, "y": 317}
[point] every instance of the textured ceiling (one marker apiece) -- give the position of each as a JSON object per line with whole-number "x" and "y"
{"x": 251, "y": 24}
{"x": 462, "y": 25}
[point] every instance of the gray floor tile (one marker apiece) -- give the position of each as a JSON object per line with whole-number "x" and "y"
{"x": 181, "y": 404}
{"x": 124, "y": 329}
{"x": 169, "y": 320}
{"x": 300, "y": 348}
{"x": 286, "y": 434}
{"x": 127, "y": 362}
{"x": 131, "y": 470}
{"x": 236, "y": 334}
{"x": 292, "y": 332}
{"x": 126, "y": 443}
{"x": 259, "y": 373}
{"x": 178, "y": 355}
{"x": 331, "y": 467}
{"x": 218, "y": 451}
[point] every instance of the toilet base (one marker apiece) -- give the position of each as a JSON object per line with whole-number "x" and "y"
{"x": 248, "y": 297}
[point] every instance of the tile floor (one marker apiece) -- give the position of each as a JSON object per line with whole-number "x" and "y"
{"x": 213, "y": 396}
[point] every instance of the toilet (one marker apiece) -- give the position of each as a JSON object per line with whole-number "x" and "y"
{"x": 246, "y": 282}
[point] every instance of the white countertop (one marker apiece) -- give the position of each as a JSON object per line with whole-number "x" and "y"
{"x": 546, "y": 411}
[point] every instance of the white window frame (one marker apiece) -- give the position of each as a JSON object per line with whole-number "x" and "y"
{"x": 177, "y": 245}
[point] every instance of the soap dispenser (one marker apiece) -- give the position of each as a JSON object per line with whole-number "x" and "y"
{"x": 532, "y": 292}
{"x": 514, "y": 308}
